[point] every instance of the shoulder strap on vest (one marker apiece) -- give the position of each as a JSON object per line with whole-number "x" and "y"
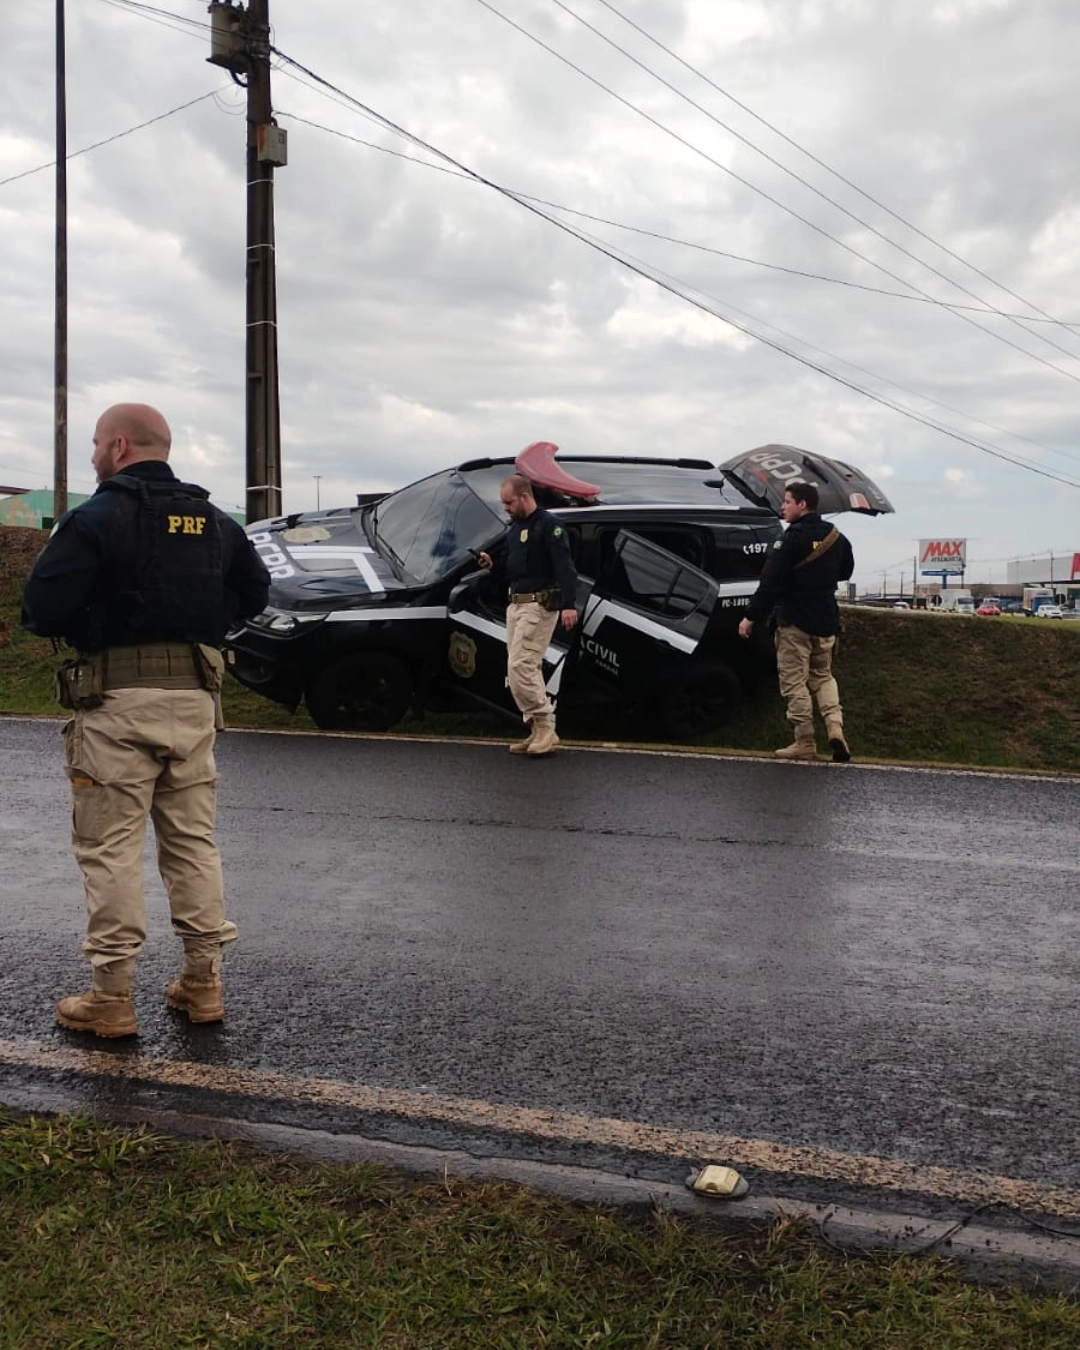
{"x": 819, "y": 550}
{"x": 124, "y": 482}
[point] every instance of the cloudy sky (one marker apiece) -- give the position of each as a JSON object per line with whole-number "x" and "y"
{"x": 425, "y": 318}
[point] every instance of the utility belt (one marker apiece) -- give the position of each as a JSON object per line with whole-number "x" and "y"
{"x": 548, "y": 597}
{"x": 81, "y": 683}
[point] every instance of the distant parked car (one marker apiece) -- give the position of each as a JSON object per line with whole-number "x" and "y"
{"x": 988, "y": 607}
{"x": 1049, "y": 612}
{"x": 901, "y": 604}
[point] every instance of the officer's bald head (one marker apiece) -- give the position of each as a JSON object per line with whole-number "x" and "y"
{"x": 128, "y": 433}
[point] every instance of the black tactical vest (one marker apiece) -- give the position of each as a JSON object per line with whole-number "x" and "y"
{"x": 163, "y": 579}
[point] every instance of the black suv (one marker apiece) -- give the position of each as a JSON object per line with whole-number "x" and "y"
{"x": 380, "y": 606}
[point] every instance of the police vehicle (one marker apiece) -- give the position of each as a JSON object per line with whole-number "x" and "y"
{"x": 381, "y": 606}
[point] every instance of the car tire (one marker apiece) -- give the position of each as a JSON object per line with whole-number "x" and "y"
{"x": 698, "y": 699}
{"x": 368, "y": 691}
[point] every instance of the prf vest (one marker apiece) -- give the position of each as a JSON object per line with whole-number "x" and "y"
{"x": 162, "y": 574}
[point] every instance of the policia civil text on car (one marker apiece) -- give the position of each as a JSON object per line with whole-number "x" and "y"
{"x": 798, "y": 590}
{"x": 143, "y": 580}
{"x": 542, "y": 586}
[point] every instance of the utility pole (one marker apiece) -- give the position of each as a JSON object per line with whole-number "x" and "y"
{"x": 241, "y": 43}
{"x": 60, "y": 287}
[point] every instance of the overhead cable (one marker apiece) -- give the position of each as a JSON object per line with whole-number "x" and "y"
{"x": 26, "y": 173}
{"x": 859, "y": 220}
{"x": 610, "y": 253}
{"x": 884, "y": 379}
{"x": 835, "y": 172}
{"x": 680, "y": 288}
{"x": 657, "y": 234}
{"x": 818, "y": 229}
{"x": 192, "y": 27}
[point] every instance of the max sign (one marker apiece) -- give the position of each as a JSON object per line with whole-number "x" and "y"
{"x": 939, "y": 557}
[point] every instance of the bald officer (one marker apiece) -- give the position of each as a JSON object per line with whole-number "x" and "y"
{"x": 143, "y": 580}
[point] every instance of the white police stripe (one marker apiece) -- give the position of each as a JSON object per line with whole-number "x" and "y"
{"x": 331, "y": 550}
{"x": 356, "y": 553}
{"x": 377, "y": 613}
{"x": 552, "y": 656}
{"x": 631, "y": 619}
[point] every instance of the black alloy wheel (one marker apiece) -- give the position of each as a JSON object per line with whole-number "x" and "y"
{"x": 697, "y": 699}
{"x": 368, "y": 691}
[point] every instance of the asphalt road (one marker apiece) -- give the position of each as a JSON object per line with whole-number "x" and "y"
{"x": 840, "y": 961}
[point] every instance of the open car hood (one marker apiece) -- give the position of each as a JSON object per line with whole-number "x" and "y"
{"x": 764, "y": 473}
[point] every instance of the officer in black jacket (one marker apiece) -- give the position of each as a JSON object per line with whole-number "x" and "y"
{"x": 798, "y": 587}
{"x": 542, "y": 593}
{"x": 144, "y": 580}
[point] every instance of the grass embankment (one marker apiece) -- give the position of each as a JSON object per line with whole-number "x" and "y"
{"x": 928, "y": 687}
{"x": 117, "y": 1238}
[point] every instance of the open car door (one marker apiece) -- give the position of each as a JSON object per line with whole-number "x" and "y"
{"x": 645, "y": 634}
{"x": 763, "y": 474}
{"x": 646, "y": 602}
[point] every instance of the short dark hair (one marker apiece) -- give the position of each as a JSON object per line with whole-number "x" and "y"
{"x": 806, "y": 493}
{"x": 518, "y": 485}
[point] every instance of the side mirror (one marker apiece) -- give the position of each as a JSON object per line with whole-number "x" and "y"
{"x": 459, "y": 596}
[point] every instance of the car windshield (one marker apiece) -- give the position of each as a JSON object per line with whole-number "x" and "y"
{"x": 429, "y": 528}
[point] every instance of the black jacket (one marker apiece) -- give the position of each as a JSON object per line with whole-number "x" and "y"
{"x": 146, "y": 559}
{"x": 538, "y": 555}
{"x": 804, "y": 596}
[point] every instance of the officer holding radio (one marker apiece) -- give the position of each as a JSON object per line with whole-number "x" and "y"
{"x": 144, "y": 579}
{"x": 543, "y": 591}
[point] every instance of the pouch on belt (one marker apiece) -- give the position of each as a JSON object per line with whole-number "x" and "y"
{"x": 211, "y": 667}
{"x": 80, "y": 685}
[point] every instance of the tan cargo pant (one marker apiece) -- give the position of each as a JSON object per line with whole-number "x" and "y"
{"x": 145, "y": 752}
{"x": 528, "y": 631}
{"x": 804, "y": 663}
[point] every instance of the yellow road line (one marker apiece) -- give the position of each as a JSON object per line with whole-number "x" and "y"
{"x": 973, "y": 1188}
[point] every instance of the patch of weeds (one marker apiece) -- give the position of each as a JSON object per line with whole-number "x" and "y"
{"x": 120, "y": 1238}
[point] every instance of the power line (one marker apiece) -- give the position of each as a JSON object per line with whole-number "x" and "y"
{"x": 655, "y": 234}
{"x": 642, "y": 270}
{"x": 829, "y": 169}
{"x": 803, "y": 181}
{"x": 630, "y": 266}
{"x": 192, "y": 27}
{"x": 147, "y": 10}
{"x": 26, "y": 173}
{"x": 677, "y": 287}
{"x": 467, "y": 177}
{"x": 818, "y": 229}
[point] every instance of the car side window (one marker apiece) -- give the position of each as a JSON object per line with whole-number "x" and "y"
{"x": 685, "y": 541}
{"x": 651, "y": 581}
{"x": 739, "y": 551}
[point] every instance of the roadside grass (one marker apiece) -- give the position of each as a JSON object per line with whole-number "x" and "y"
{"x": 916, "y": 687}
{"x": 119, "y": 1238}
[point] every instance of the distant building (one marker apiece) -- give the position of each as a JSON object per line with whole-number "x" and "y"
{"x": 33, "y": 510}
{"x": 1045, "y": 571}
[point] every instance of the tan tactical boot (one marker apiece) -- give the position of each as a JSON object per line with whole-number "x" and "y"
{"x": 841, "y": 751}
{"x": 544, "y": 739}
{"x": 802, "y": 747}
{"x": 521, "y": 747}
{"x": 103, "y": 1014}
{"x": 198, "y": 990}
